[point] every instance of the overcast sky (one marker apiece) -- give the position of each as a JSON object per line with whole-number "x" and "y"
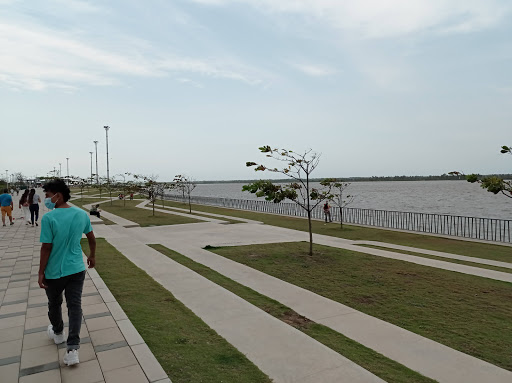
{"x": 379, "y": 87}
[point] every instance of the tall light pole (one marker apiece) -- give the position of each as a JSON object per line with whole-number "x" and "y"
{"x": 67, "y": 166}
{"x": 97, "y": 177}
{"x": 60, "y": 170}
{"x": 91, "y": 166}
{"x": 108, "y": 171}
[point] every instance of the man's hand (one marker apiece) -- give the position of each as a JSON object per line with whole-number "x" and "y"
{"x": 41, "y": 282}
{"x": 91, "y": 262}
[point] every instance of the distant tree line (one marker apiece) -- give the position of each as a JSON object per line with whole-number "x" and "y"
{"x": 442, "y": 177}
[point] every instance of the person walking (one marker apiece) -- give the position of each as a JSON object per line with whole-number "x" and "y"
{"x": 34, "y": 200}
{"x": 95, "y": 211}
{"x": 6, "y": 206}
{"x": 61, "y": 267}
{"x": 25, "y": 205}
{"x": 327, "y": 212}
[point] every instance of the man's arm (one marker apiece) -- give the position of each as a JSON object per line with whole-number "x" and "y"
{"x": 46, "y": 249}
{"x": 91, "y": 259}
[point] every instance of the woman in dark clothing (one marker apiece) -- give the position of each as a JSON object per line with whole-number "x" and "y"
{"x": 34, "y": 200}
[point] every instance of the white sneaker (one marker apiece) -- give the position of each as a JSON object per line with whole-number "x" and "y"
{"x": 58, "y": 339}
{"x": 71, "y": 358}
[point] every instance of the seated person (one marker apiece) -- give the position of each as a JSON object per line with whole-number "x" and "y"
{"x": 95, "y": 211}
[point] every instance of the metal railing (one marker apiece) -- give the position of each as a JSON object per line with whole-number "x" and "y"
{"x": 489, "y": 229}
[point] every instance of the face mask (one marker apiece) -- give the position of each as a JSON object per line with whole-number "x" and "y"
{"x": 49, "y": 204}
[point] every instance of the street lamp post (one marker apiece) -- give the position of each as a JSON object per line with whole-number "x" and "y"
{"x": 60, "y": 170}
{"x": 108, "y": 171}
{"x": 91, "y": 166}
{"x": 97, "y": 177}
{"x": 67, "y": 166}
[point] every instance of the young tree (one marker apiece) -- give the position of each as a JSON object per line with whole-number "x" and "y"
{"x": 493, "y": 184}
{"x": 336, "y": 197}
{"x": 298, "y": 167}
{"x": 150, "y": 187}
{"x": 186, "y": 185}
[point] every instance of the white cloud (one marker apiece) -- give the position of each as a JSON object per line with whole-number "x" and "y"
{"x": 389, "y": 18}
{"x": 315, "y": 70}
{"x": 35, "y": 57}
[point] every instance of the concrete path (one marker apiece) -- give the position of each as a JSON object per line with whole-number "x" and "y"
{"x": 144, "y": 205}
{"x": 214, "y": 215}
{"x": 111, "y": 350}
{"x": 414, "y": 351}
{"x": 279, "y": 350}
{"x": 471, "y": 270}
{"x": 507, "y": 265}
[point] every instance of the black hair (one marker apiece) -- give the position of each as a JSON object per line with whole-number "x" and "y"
{"x": 58, "y": 185}
{"x": 6, "y": 190}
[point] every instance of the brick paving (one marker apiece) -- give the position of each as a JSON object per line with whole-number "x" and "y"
{"x": 111, "y": 348}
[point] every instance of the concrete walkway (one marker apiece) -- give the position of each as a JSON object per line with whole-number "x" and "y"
{"x": 414, "y": 351}
{"x": 284, "y": 353}
{"x": 111, "y": 351}
{"x": 440, "y": 254}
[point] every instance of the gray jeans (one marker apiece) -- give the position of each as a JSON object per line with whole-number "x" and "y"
{"x": 72, "y": 286}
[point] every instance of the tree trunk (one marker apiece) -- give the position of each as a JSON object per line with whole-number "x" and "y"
{"x": 153, "y": 208}
{"x": 310, "y": 234}
{"x": 189, "y": 205}
{"x": 341, "y": 217}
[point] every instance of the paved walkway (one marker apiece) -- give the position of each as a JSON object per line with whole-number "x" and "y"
{"x": 416, "y": 352}
{"x": 111, "y": 350}
{"x": 269, "y": 343}
{"x": 440, "y": 254}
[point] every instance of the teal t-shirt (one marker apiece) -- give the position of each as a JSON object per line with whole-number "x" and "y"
{"x": 5, "y": 199}
{"x": 63, "y": 228}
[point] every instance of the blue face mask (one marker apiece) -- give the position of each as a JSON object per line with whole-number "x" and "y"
{"x": 49, "y": 204}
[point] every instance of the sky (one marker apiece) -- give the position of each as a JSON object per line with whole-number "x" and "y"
{"x": 378, "y": 87}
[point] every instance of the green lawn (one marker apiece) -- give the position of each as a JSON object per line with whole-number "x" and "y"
{"x": 188, "y": 350}
{"x": 374, "y": 362}
{"x": 141, "y": 216}
{"x": 464, "y": 312}
{"x": 455, "y": 246}
{"x": 230, "y": 221}
{"x": 474, "y": 264}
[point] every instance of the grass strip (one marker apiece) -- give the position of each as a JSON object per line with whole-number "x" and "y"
{"x": 188, "y": 350}
{"x": 447, "y": 245}
{"x": 143, "y": 217}
{"x": 465, "y": 312}
{"x": 385, "y": 368}
{"x": 467, "y": 263}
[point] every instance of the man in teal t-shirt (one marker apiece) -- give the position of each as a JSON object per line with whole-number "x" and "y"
{"x": 61, "y": 267}
{"x": 6, "y": 206}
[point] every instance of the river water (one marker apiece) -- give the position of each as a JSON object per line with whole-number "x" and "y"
{"x": 441, "y": 197}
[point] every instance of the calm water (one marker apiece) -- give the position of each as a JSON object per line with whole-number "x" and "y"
{"x": 442, "y": 197}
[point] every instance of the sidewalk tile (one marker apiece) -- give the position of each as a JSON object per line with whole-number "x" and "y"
{"x": 100, "y": 323}
{"x": 52, "y": 376}
{"x": 10, "y": 373}
{"x": 11, "y": 322}
{"x": 9, "y": 349}
{"x": 117, "y": 358}
{"x": 95, "y": 309}
{"x": 148, "y": 362}
{"x": 87, "y": 372}
{"x": 116, "y": 310}
{"x": 39, "y": 356}
{"x": 106, "y": 336}
{"x": 9, "y": 309}
{"x": 130, "y": 333}
{"x": 11, "y": 333}
{"x": 131, "y": 374}
{"x": 37, "y": 339}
